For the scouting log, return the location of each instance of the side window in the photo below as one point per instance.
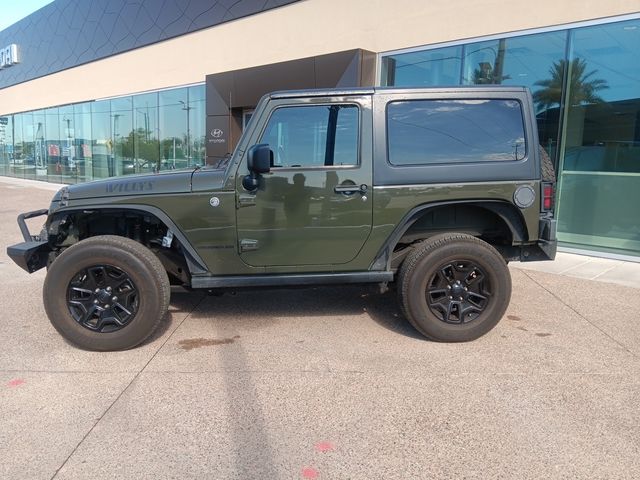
(313, 136)
(454, 131)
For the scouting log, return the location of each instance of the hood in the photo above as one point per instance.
(168, 181)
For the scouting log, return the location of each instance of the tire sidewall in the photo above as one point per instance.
(80, 256)
(491, 264)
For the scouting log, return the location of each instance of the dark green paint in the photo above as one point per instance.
(295, 218)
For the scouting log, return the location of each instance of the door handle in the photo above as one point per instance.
(350, 189)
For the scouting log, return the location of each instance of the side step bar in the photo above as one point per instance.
(235, 281)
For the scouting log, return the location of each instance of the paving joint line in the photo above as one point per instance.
(386, 372)
(317, 372)
(125, 389)
(562, 272)
(580, 315)
(71, 372)
(606, 271)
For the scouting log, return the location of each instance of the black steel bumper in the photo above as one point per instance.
(32, 254)
(546, 246)
(543, 249)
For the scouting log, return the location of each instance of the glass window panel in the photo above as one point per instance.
(68, 161)
(25, 164)
(302, 136)
(16, 158)
(196, 126)
(427, 68)
(454, 131)
(533, 61)
(146, 143)
(600, 180)
(247, 114)
(173, 114)
(101, 142)
(82, 141)
(40, 153)
(123, 136)
(346, 138)
(6, 143)
(54, 145)
(31, 129)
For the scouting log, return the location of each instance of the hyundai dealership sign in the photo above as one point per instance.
(9, 55)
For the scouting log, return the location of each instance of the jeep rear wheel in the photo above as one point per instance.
(106, 293)
(454, 287)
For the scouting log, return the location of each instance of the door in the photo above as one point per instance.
(314, 207)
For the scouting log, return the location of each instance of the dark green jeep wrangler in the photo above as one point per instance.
(432, 190)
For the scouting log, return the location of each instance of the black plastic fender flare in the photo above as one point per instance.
(506, 211)
(196, 265)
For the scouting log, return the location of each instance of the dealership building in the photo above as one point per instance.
(105, 88)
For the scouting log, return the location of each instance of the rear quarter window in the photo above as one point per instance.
(424, 132)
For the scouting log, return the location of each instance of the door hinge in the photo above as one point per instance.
(248, 244)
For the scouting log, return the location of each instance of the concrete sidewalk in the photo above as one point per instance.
(589, 268)
(325, 383)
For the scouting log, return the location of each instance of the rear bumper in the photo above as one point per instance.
(543, 249)
(32, 254)
(546, 246)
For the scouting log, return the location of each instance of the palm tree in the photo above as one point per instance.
(582, 86)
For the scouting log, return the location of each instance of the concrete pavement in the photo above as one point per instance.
(607, 270)
(323, 383)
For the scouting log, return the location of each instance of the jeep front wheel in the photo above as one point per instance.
(106, 293)
(454, 287)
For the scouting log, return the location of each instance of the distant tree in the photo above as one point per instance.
(488, 74)
(583, 88)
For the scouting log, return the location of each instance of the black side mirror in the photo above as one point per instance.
(259, 160)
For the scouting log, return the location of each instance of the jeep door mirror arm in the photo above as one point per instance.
(259, 161)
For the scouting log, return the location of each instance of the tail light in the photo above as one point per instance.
(548, 196)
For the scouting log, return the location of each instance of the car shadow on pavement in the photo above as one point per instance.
(247, 405)
(253, 308)
(383, 309)
(182, 303)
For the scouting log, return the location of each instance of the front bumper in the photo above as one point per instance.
(32, 254)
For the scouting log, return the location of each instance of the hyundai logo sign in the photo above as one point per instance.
(9, 55)
(217, 136)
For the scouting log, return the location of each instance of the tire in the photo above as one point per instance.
(427, 285)
(546, 165)
(106, 293)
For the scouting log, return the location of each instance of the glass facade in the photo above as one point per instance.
(586, 87)
(125, 135)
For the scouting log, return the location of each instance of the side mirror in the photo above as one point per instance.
(259, 160)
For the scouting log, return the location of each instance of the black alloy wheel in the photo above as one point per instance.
(454, 287)
(106, 293)
(102, 298)
(458, 292)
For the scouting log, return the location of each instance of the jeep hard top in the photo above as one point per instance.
(430, 191)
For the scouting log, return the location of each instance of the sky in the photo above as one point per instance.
(13, 10)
